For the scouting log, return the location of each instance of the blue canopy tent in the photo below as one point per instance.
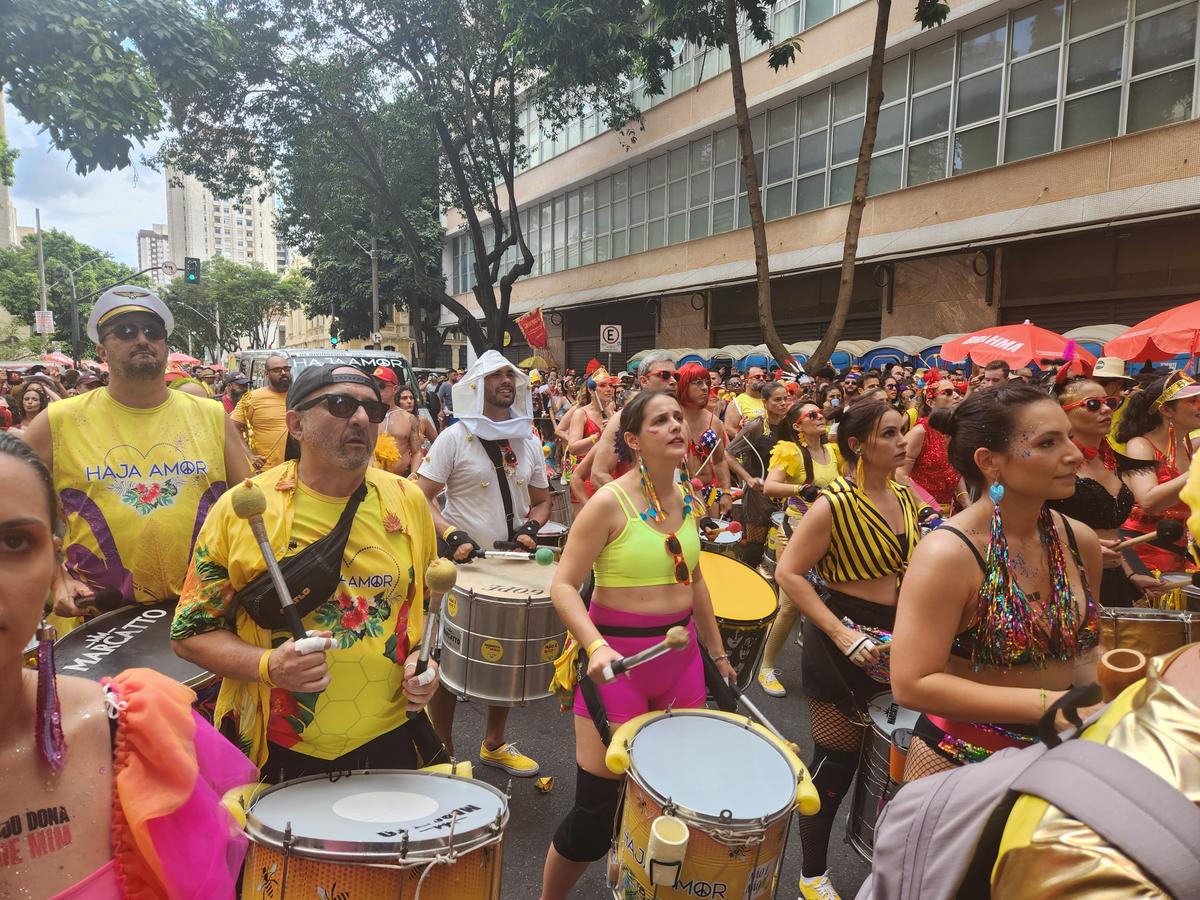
(930, 354)
(848, 353)
(889, 351)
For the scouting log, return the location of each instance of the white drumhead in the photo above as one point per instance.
(705, 764)
(777, 519)
(552, 529)
(726, 537)
(888, 715)
(516, 578)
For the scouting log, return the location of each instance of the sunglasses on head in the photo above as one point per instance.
(1093, 404)
(128, 331)
(683, 575)
(343, 406)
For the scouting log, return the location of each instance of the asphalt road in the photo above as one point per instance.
(547, 735)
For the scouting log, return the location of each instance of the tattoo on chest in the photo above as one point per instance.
(33, 834)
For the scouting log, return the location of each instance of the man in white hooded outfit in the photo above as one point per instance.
(494, 474)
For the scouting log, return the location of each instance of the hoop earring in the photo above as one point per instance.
(48, 733)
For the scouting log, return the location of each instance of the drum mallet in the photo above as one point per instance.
(440, 578)
(543, 556)
(677, 638)
(249, 503)
(1168, 530)
(711, 528)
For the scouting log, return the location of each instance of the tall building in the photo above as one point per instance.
(200, 225)
(1033, 160)
(8, 213)
(153, 252)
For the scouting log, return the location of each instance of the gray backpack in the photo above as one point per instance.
(937, 838)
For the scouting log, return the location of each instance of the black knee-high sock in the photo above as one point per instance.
(833, 773)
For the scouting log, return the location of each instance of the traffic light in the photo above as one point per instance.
(191, 269)
(334, 340)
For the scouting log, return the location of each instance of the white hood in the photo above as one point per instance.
(468, 401)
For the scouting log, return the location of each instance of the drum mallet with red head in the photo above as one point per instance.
(249, 503)
(1169, 531)
(440, 578)
(677, 638)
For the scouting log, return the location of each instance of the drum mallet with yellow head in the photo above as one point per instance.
(677, 638)
(440, 578)
(249, 503)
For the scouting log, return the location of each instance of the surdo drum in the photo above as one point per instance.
(397, 834)
(745, 605)
(872, 784)
(500, 634)
(1149, 631)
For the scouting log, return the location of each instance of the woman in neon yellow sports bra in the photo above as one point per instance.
(639, 536)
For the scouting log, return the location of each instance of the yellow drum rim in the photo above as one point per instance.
(752, 606)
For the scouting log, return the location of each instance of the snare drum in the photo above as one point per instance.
(560, 505)
(500, 634)
(745, 606)
(726, 542)
(126, 638)
(772, 553)
(376, 834)
(873, 785)
(1149, 631)
(553, 534)
(686, 764)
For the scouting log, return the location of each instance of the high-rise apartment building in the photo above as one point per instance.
(153, 252)
(1033, 160)
(8, 213)
(200, 225)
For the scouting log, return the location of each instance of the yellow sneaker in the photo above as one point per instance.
(819, 888)
(768, 680)
(510, 759)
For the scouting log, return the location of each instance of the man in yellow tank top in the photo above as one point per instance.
(259, 416)
(747, 405)
(136, 466)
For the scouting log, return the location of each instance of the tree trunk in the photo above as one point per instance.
(858, 201)
(758, 227)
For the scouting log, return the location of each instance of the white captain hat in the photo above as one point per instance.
(127, 298)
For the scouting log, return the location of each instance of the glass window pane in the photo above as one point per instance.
(779, 163)
(817, 11)
(1089, 15)
(814, 111)
(585, 226)
(602, 249)
(810, 193)
(744, 211)
(637, 179)
(895, 79)
(637, 209)
(927, 162)
(841, 185)
(658, 171)
(677, 229)
(885, 173)
(758, 164)
(1145, 6)
(846, 140)
(1029, 135)
(1095, 61)
(723, 180)
(637, 238)
(813, 151)
(779, 201)
(782, 124)
(891, 127)
(573, 203)
(679, 163)
(700, 188)
(619, 244)
(1037, 26)
(727, 143)
(656, 234)
(1160, 100)
(982, 47)
(658, 202)
(677, 196)
(850, 97)
(722, 214)
(603, 225)
(975, 149)
(979, 98)
(930, 114)
(701, 155)
(1033, 81)
(603, 191)
(620, 185)
(698, 224)
(1164, 40)
(1091, 118)
(932, 65)
(620, 215)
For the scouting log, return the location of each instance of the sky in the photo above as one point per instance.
(104, 209)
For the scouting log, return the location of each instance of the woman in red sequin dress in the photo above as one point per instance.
(927, 463)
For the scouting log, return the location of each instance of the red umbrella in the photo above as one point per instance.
(1017, 345)
(1164, 336)
(58, 358)
(183, 358)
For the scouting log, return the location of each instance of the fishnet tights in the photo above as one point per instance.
(832, 729)
(924, 760)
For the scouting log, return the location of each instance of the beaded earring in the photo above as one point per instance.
(48, 731)
(653, 506)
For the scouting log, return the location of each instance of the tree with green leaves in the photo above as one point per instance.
(929, 14)
(93, 270)
(231, 307)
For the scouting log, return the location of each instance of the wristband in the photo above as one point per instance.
(449, 531)
(1043, 701)
(456, 537)
(530, 528)
(723, 656)
(264, 670)
(595, 645)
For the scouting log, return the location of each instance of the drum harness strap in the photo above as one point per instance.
(496, 454)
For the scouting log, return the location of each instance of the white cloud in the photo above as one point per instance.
(104, 209)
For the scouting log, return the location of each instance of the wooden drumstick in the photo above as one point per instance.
(676, 639)
(440, 577)
(1170, 530)
(1119, 669)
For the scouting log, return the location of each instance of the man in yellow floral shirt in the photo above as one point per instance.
(357, 704)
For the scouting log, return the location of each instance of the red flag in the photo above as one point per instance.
(533, 326)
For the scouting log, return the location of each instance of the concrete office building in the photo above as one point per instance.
(200, 225)
(153, 251)
(1034, 160)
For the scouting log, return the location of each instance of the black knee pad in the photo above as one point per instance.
(832, 773)
(586, 833)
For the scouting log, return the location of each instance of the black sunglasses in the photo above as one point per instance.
(128, 331)
(343, 406)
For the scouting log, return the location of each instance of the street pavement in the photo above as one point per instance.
(547, 735)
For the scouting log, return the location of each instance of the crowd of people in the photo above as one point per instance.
(946, 533)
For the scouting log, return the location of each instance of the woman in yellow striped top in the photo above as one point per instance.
(858, 535)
